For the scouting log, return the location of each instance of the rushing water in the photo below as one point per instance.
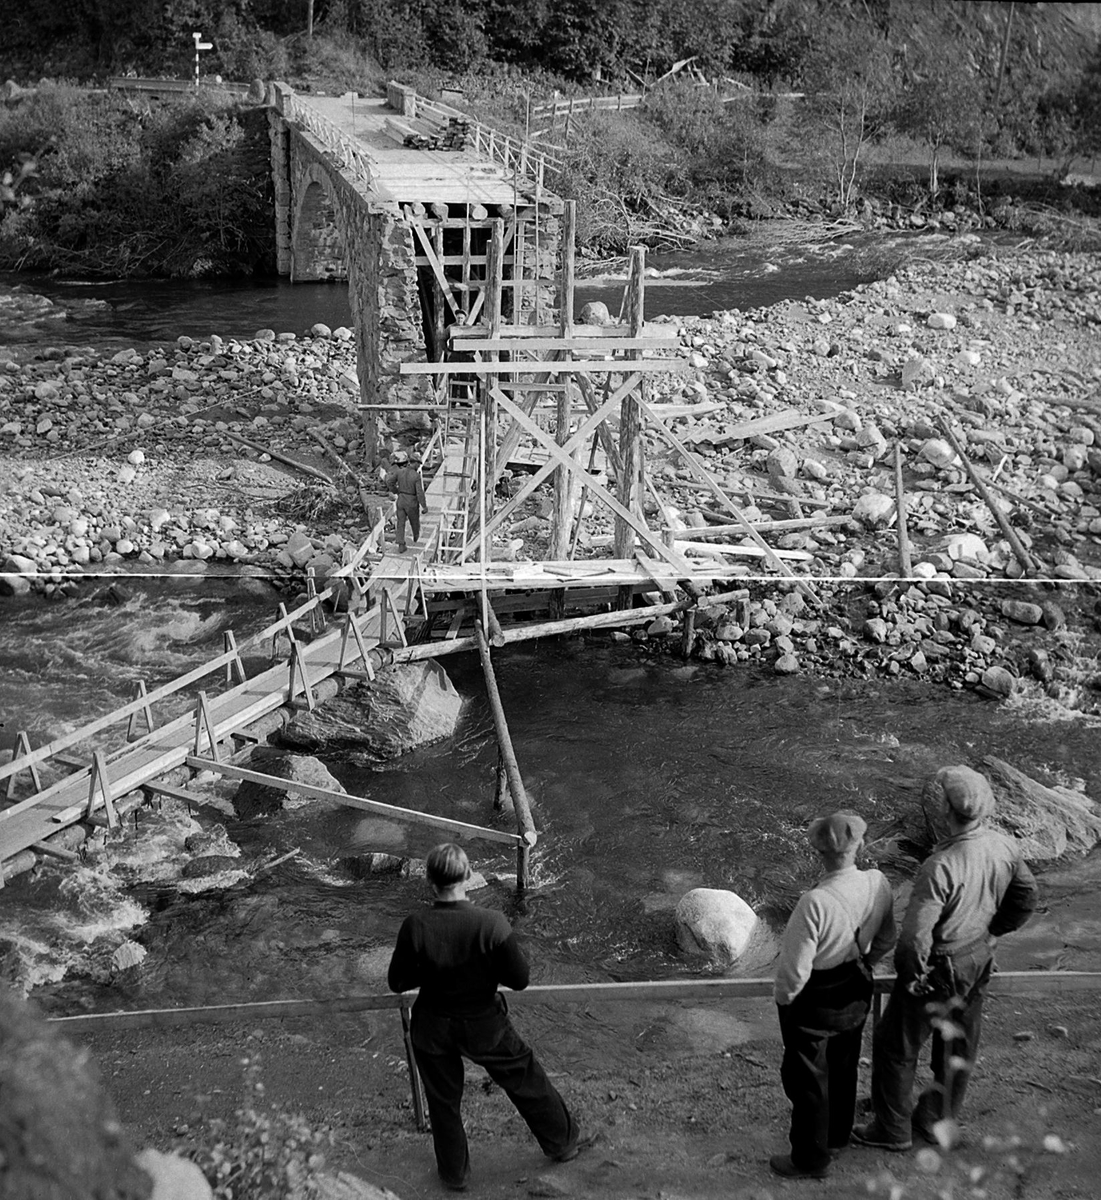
(648, 776)
(733, 273)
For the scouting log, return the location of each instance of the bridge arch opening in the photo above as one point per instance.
(317, 244)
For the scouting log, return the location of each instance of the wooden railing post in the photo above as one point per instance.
(525, 826)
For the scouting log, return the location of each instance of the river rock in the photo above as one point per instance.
(938, 452)
(875, 630)
(874, 510)
(1022, 612)
(782, 463)
(715, 923)
(966, 545)
(14, 585)
(916, 373)
(1054, 618)
(595, 312)
(174, 1178)
(259, 799)
(403, 707)
(208, 864)
(299, 548)
(129, 954)
(1051, 822)
(997, 683)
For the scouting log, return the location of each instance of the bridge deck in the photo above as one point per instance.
(408, 175)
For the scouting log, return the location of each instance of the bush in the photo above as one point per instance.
(260, 1155)
(181, 189)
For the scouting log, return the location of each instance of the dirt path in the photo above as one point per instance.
(685, 1101)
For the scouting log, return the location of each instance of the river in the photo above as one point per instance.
(648, 775)
(732, 273)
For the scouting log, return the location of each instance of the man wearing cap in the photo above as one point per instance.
(974, 887)
(838, 931)
(405, 480)
(458, 955)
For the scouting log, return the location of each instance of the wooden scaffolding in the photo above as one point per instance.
(579, 394)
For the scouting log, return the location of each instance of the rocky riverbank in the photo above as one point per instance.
(157, 461)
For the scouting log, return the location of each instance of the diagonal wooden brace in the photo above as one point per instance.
(100, 780)
(235, 667)
(559, 453)
(146, 711)
(204, 724)
(21, 748)
(298, 671)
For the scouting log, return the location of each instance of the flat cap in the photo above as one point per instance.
(967, 793)
(837, 833)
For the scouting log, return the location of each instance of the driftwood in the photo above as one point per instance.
(364, 497)
(305, 468)
(905, 566)
(1028, 565)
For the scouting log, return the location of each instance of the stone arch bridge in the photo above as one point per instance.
(399, 197)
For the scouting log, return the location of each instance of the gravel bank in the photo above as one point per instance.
(132, 462)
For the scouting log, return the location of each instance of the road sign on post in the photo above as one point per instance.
(200, 45)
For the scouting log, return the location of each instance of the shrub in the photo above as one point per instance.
(258, 1154)
(179, 189)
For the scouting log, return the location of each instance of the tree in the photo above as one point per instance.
(941, 106)
(850, 93)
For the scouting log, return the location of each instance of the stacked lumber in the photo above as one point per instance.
(453, 137)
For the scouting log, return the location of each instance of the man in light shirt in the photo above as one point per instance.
(974, 887)
(838, 931)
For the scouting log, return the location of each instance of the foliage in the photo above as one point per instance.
(260, 1155)
(725, 143)
(179, 189)
(850, 93)
(941, 106)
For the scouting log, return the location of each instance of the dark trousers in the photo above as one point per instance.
(952, 1014)
(408, 510)
(819, 1077)
(822, 1031)
(441, 1043)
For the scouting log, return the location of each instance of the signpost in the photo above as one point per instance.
(200, 45)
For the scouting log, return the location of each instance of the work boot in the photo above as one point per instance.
(874, 1136)
(781, 1164)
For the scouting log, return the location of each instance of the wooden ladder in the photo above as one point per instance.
(460, 481)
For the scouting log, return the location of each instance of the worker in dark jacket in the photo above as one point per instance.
(404, 479)
(458, 955)
(973, 888)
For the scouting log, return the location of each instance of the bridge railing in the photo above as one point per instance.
(513, 153)
(332, 137)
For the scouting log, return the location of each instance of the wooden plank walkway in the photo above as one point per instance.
(89, 790)
(68, 800)
(408, 175)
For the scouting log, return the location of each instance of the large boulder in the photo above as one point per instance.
(1050, 822)
(715, 923)
(260, 799)
(174, 1178)
(403, 707)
